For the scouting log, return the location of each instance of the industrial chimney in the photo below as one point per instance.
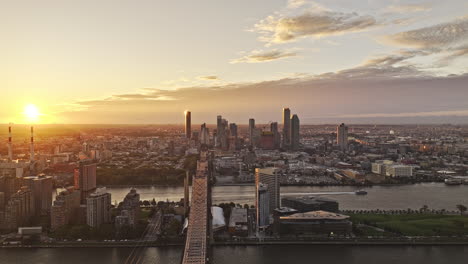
(32, 145)
(10, 147)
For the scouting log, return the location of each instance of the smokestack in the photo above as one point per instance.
(10, 147)
(32, 144)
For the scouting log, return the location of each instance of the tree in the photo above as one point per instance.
(424, 208)
(461, 208)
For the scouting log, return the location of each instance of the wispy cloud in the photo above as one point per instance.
(208, 78)
(280, 28)
(296, 3)
(257, 56)
(450, 40)
(411, 8)
(437, 36)
(356, 92)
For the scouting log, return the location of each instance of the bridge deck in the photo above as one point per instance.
(197, 234)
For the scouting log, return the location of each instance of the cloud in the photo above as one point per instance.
(382, 89)
(450, 40)
(208, 78)
(280, 28)
(296, 3)
(433, 37)
(411, 8)
(257, 56)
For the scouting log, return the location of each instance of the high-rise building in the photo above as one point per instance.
(98, 206)
(219, 121)
(186, 193)
(65, 208)
(233, 130)
(221, 133)
(342, 137)
(19, 208)
(286, 127)
(295, 128)
(130, 209)
(262, 205)
(270, 177)
(188, 124)
(251, 131)
(204, 135)
(276, 134)
(233, 139)
(9, 184)
(41, 187)
(267, 140)
(85, 178)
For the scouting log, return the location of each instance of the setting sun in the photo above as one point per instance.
(31, 112)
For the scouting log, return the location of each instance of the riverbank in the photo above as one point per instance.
(351, 242)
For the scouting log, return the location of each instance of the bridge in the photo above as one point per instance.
(199, 227)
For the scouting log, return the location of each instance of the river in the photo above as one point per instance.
(289, 254)
(414, 196)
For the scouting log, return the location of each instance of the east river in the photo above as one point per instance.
(289, 254)
(434, 195)
(414, 196)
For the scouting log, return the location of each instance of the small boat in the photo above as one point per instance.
(453, 181)
(361, 192)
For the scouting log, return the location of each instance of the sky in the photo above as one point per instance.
(146, 62)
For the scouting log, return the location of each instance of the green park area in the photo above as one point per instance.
(410, 224)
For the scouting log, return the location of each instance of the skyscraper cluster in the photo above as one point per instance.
(291, 129)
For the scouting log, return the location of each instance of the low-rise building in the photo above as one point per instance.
(310, 203)
(315, 222)
(238, 223)
(399, 171)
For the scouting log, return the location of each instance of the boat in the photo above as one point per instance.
(453, 181)
(360, 192)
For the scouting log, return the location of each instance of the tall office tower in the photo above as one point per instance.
(342, 137)
(295, 129)
(64, 211)
(186, 193)
(222, 134)
(188, 124)
(233, 140)
(219, 121)
(85, 179)
(276, 134)
(262, 205)
(270, 177)
(98, 206)
(233, 130)
(41, 187)
(286, 127)
(251, 131)
(204, 135)
(19, 208)
(10, 146)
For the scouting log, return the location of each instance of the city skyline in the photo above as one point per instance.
(331, 61)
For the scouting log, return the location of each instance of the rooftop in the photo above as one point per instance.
(315, 215)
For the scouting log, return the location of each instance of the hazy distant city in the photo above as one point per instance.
(281, 182)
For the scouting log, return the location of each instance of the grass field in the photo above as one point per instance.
(416, 224)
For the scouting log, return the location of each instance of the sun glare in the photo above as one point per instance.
(31, 112)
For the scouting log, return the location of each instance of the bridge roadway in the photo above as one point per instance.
(196, 244)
